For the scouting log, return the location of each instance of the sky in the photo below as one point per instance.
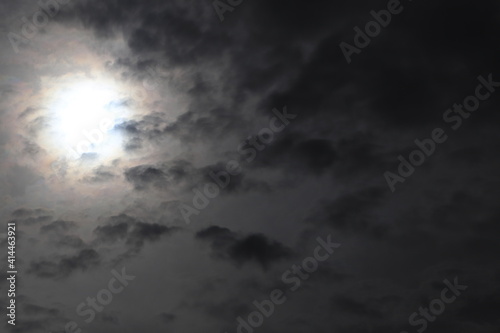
(250, 166)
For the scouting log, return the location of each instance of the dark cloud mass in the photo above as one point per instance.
(131, 233)
(240, 249)
(81, 261)
(187, 165)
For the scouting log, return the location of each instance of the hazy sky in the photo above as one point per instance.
(213, 150)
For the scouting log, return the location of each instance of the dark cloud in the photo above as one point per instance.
(100, 175)
(36, 310)
(192, 126)
(257, 248)
(31, 148)
(360, 309)
(131, 232)
(354, 212)
(32, 216)
(167, 318)
(24, 212)
(69, 241)
(142, 176)
(58, 227)
(294, 153)
(112, 233)
(28, 112)
(182, 175)
(61, 234)
(67, 265)
(196, 125)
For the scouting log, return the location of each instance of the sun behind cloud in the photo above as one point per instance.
(83, 115)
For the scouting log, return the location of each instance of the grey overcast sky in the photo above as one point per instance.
(250, 166)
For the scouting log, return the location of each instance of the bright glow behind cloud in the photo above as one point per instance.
(83, 116)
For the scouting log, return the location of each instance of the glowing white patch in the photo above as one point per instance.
(83, 117)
